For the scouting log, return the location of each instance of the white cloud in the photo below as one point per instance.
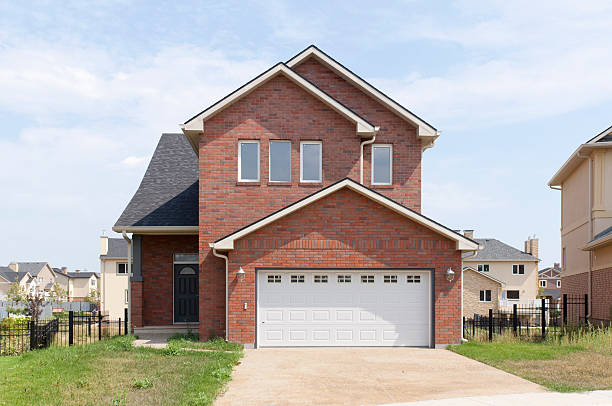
(132, 161)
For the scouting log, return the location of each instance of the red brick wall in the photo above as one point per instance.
(345, 230)
(602, 294)
(137, 300)
(158, 275)
(575, 284)
(280, 109)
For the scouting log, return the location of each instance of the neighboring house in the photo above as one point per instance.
(585, 181)
(114, 276)
(549, 282)
(40, 271)
(481, 292)
(516, 269)
(261, 223)
(81, 284)
(8, 276)
(63, 280)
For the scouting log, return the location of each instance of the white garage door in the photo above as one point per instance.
(343, 308)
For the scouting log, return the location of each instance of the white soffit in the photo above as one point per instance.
(463, 243)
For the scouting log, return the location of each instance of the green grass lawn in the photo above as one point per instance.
(191, 340)
(567, 367)
(113, 372)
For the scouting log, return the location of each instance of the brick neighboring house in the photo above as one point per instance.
(586, 223)
(288, 214)
(481, 292)
(549, 281)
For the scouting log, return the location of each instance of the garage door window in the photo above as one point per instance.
(367, 278)
(297, 278)
(344, 278)
(274, 278)
(413, 278)
(320, 278)
(390, 278)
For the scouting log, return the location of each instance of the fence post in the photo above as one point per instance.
(490, 324)
(99, 327)
(543, 321)
(125, 321)
(32, 335)
(89, 326)
(514, 317)
(564, 309)
(119, 326)
(586, 308)
(70, 327)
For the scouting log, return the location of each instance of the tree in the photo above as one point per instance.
(33, 300)
(93, 298)
(17, 293)
(57, 293)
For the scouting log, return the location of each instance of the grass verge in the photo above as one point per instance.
(113, 372)
(190, 340)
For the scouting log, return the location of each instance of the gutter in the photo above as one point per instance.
(129, 265)
(367, 142)
(216, 254)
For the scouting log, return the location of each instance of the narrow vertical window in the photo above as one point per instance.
(248, 161)
(382, 163)
(310, 161)
(280, 161)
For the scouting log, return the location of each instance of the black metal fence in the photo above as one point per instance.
(75, 329)
(536, 321)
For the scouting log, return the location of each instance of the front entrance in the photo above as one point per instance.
(186, 293)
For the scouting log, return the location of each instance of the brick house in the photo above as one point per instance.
(586, 224)
(481, 292)
(288, 214)
(549, 281)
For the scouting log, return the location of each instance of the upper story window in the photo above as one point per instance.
(559, 284)
(382, 162)
(122, 268)
(92, 282)
(518, 269)
(248, 161)
(310, 161)
(483, 267)
(542, 283)
(280, 161)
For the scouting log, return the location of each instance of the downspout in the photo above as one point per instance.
(129, 265)
(590, 230)
(367, 142)
(216, 254)
(463, 339)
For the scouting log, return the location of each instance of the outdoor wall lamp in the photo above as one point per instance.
(240, 274)
(450, 275)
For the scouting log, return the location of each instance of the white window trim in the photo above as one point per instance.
(240, 142)
(517, 269)
(270, 161)
(127, 296)
(485, 296)
(117, 269)
(483, 267)
(390, 164)
(558, 284)
(302, 143)
(519, 298)
(542, 283)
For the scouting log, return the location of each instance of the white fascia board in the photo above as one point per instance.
(196, 124)
(598, 243)
(463, 243)
(600, 135)
(573, 161)
(424, 129)
(160, 230)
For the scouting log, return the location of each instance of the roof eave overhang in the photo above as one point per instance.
(469, 268)
(194, 127)
(157, 229)
(573, 161)
(601, 242)
(462, 243)
(425, 131)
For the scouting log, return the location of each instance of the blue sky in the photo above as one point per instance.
(86, 90)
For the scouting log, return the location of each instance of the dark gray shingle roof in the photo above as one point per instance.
(82, 274)
(117, 248)
(495, 250)
(32, 267)
(168, 193)
(10, 275)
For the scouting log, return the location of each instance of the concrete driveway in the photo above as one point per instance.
(362, 376)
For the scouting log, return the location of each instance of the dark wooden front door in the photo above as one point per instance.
(185, 293)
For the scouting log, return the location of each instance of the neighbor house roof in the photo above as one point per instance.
(463, 243)
(550, 272)
(82, 274)
(600, 239)
(33, 268)
(11, 276)
(601, 140)
(426, 131)
(193, 127)
(167, 199)
(117, 248)
(483, 274)
(495, 250)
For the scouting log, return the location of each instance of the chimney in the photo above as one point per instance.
(103, 245)
(531, 246)
(14, 266)
(64, 270)
(557, 265)
(469, 234)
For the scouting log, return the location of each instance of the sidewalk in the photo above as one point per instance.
(596, 398)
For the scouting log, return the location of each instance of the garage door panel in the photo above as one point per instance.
(350, 313)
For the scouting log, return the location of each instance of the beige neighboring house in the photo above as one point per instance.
(114, 276)
(8, 277)
(481, 292)
(516, 270)
(81, 283)
(585, 182)
(41, 274)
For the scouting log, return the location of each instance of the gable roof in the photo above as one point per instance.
(550, 272)
(83, 274)
(600, 239)
(11, 276)
(463, 243)
(167, 199)
(193, 127)
(117, 248)
(483, 274)
(425, 130)
(495, 250)
(33, 268)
